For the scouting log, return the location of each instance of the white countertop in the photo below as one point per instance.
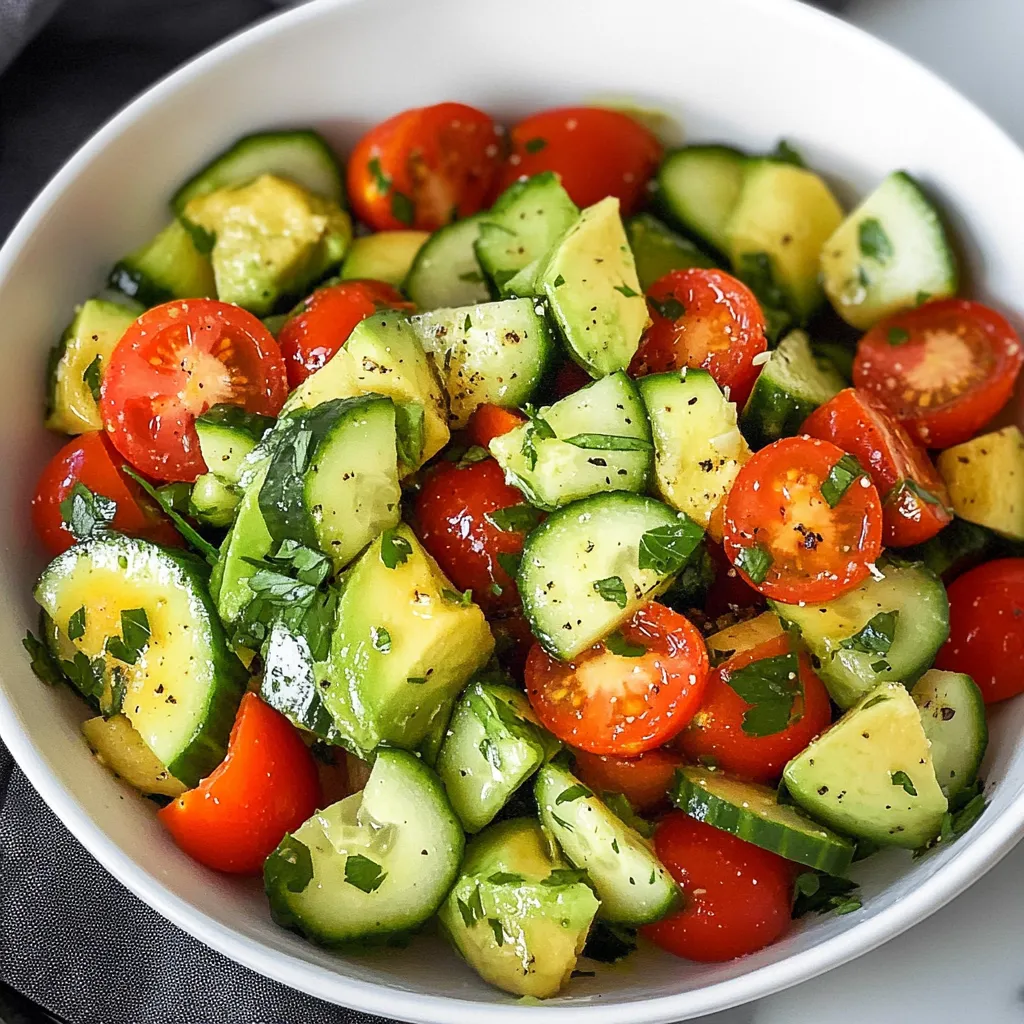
(965, 963)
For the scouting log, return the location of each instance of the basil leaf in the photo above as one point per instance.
(839, 479)
(573, 793)
(86, 513)
(666, 549)
(897, 335)
(402, 207)
(874, 242)
(896, 493)
(534, 145)
(903, 779)
(76, 625)
(193, 537)
(381, 639)
(92, 378)
(670, 308)
(394, 548)
(363, 873)
(816, 892)
(42, 661)
(380, 179)
(609, 443)
(509, 562)
(624, 289)
(619, 645)
(520, 518)
(770, 686)
(290, 866)
(755, 562)
(612, 589)
(876, 637)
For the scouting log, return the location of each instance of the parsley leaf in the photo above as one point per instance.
(609, 443)
(839, 479)
(521, 518)
(193, 537)
(608, 943)
(509, 562)
(624, 289)
(43, 663)
(402, 208)
(135, 634)
(534, 145)
(380, 179)
(86, 513)
(824, 894)
(670, 308)
(564, 876)
(463, 599)
(497, 931)
(92, 377)
(611, 588)
(394, 548)
(573, 793)
(76, 625)
(505, 878)
(86, 674)
(472, 910)
(770, 686)
(897, 335)
(290, 866)
(536, 428)
(755, 562)
(877, 635)
(784, 153)
(874, 242)
(381, 639)
(620, 646)
(666, 549)
(903, 779)
(558, 281)
(363, 873)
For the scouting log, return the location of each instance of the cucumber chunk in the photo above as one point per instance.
(446, 271)
(657, 250)
(753, 813)
(525, 221)
(790, 386)
(168, 267)
(496, 353)
(871, 774)
(590, 281)
(119, 747)
(887, 253)
(633, 885)
(887, 629)
(384, 256)
(985, 478)
(373, 866)
(953, 716)
(699, 186)
(113, 598)
(596, 439)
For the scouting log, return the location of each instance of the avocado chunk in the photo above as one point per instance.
(985, 478)
(119, 747)
(404, 645)
(272, 239)
(517, 915)
(383, 256)
(871, 774)
(589, 279)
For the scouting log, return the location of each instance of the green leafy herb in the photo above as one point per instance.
(537, 429)
(565, 825)
(468, 324)
(505, 878)
(784, 153)
(577, 792)
(381, 639)
(473, 454)
(755, 561)
(135, 634)
(416, 680)
(874, 242)
(363, 873)
(472, 909)
(670, 308)
(876, 637)
(42, 662)
(620, 646)
(509, 562)
(410, 433)
(558, 281)
(880, 666)
(824, 894)
(76, 625)
(394, 548)
(897, 335)
(497, 931)
(565, 876)
(666, 549)
(770, 685)
(85, 513)
(626, 290)
(193, 537)
(380, 179)
(290, 866)
(913, 487)
(118, 692)
(608, 943)
(86, 674)
(611, 588)
(903, 780)
(609, 443)
(534, 145)
(619, 805)
(921, 298)
(92, 377)
(464, 598)
(402, 208)
(839, 479)
(521, 518)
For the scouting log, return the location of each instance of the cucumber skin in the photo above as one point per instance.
(772, 413)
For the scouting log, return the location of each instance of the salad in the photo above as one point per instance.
(537, 532)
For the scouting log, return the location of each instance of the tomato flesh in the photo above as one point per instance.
(944, 369)
(703, 319)
(915, 502)
(606, 703)
(321, 327)
(267, 785)
(175, 362)
(424, 167)
(986, 628)
(90, 459)
(782, 534)
(716, 735)
(643, 780)
(491, 421)
(737, 897)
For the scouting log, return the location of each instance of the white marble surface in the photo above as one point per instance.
(965, 964)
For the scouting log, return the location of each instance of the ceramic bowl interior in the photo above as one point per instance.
(741, 71)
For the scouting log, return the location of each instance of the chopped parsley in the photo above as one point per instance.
(670, 308)
(770, 686)
(755, 561)
(620, 646)
(381, 639)
(521, 518)
(877, 635)
(579, 791)
(76, 625)
(86, 513)
(839, 479)
(666, 549)
(365, 874)
(92, 377)
(897, 335)
(609, 443)
(612, 589)
(535, 145)
(394, 548)
(874, 242)
(903, 780)
(624, 289)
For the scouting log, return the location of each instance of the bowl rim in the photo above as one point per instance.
(971, 861)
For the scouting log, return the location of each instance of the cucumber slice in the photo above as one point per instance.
(302, 156)
(888, 628)
(120, 748)
(446, 271)
(953, 716)
(588, 541)
(698, 448)
(890, 250)
(590, 281)
(657, 250)
(599, 418)
(384, 256)
(373, 866)
(213, 502)
(525, 221)
(227, 434)
(493, 745)
(753, 813)
(496, 353)
(791, 385)
(183, 689)
(168, 267)
(633, 885)
(699, 186)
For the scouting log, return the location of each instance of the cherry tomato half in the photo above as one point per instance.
(473, 550)
(945, 369)
(596, 152)
(311, 336)
(915, 502)
(707, 319)
(737, 896)
(90, 459)
(266, 786)
(718, 734)
(986, 628)
(607, 703)
(798, 525)
(570, 378)
(729, 592)
(643, 780)
(170, 366)
(424, 167)
(491, 421)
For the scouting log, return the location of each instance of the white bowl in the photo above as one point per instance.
(741, 71)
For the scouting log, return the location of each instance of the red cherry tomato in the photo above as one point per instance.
(452, 521)
(170, 366)
(785, 537)
(596, 153)
(915, 502)
(737, 897)
(703, 319)
(90, 459)
(266, 786)
(605, 703)
(512, 640)
(570, 378)
(730, 592)
(491, 421)
(424, 167)
(311, 336)
(986, 628)
(944, 369)
(644, 780)
(716, 734)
